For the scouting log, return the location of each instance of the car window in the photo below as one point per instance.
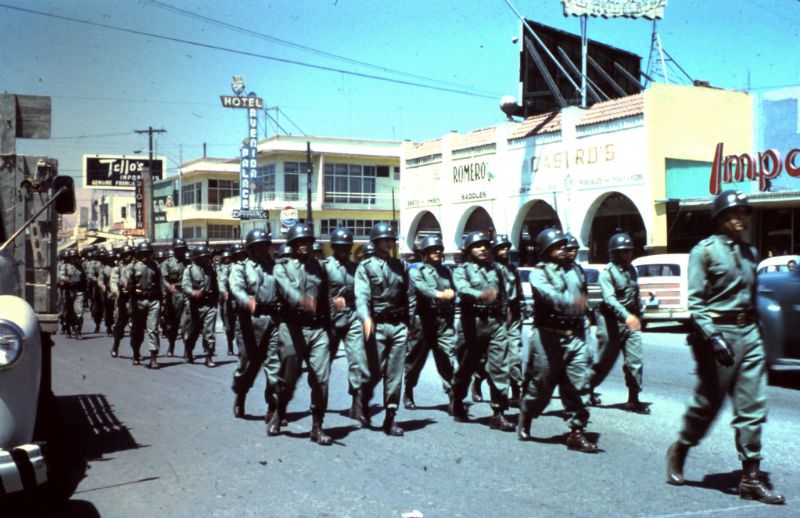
(658, 270)
(524, 275)
(591, 275)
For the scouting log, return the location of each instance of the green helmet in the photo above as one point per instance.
(547, 238)
(299, 231)
(729, 199)
(381, 230)
(342, 236)
(430, 241)
(257, 235)
(620, 241)
(500, 240)
(473, 238)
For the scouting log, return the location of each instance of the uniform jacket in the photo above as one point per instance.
(203, 278)
(297, 279)
(172, 272)
(74, 277)
(383, 287)
(428, 280)
(472, 278)
(620, 288)
(341, 283)
(556, 288)
(144, 280)
(253, 279)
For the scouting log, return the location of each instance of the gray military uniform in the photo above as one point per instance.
(174, 299)
(202, 310)
(73, 280)
(144, 285)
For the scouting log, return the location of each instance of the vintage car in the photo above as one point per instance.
(663, 286)
(778, 304)
(591, 270)
(780, 263)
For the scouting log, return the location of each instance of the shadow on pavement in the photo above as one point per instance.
(785, 378)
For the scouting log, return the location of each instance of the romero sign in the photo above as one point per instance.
(764, 166)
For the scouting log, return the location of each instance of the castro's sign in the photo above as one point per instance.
(117, 171)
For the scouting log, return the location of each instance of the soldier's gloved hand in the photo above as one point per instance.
(340, 303)
(722, 350)
(488, 295)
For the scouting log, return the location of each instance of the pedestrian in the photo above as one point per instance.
(73, 282)
(558, 355)
(175, 305)
(61, 305)
(254, 291)
(201, 288)
(620, 316)
(501, 248)
(436, 304)
(144, 285)
(727, 345)
(302, 284)
(482, 289)
(122, 297)
(385, 302)
(227, 314)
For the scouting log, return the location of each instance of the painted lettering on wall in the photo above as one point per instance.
(579, 157)
(763, 166)
(474, 172)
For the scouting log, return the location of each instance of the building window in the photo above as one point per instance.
(291, 179)
(360, 227)
(265, 184)
(192, 232)
(223, 231)
(218, 190)
(397, 172)
(192, 194)
(351, 183)
(122, 212)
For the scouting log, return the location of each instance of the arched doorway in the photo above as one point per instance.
(616, 212)
(479, 219)
(537, 216)
(426, 225)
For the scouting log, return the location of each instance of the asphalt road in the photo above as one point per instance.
(164, 443)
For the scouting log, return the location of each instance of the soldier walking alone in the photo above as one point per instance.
(727, 345)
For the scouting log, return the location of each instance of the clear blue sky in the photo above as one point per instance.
(106, 83)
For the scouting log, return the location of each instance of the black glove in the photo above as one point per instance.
(722, 350)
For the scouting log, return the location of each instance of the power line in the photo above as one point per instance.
(293, 123)
(245, 53)
(103, 135)
(279, 41)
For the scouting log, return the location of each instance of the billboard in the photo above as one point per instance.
(652, 9)
(117, 171)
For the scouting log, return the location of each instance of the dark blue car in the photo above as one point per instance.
(779, 312)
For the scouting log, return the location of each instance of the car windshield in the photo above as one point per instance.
(524, 275)
(658, 270)
(591, 275)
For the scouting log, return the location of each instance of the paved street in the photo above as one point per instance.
(164, 443)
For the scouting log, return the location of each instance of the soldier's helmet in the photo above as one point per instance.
(255, 236)
(72, 253)
(299, 231)
(126, 250)
(548, 238)
(342, 236)
(473, 238)
(284, 251)
(729, 199)
(226, 254)
(170, 253)
(201, 251)
(101, 253)
(237, 251)
(430, 241)
(144, 248)
(572, 242)
(179, 244)
(500, 240)
(620, 241)
(381, 230)
(316, 246)
(368, 250)
(161, 255)
(62, 255)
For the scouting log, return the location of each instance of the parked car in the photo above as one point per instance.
(663, 285)
(591, 270)
(778, 263)
(778, 305)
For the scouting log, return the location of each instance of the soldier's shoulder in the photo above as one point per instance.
(705, 242)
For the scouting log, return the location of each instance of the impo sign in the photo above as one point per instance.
(766, 165)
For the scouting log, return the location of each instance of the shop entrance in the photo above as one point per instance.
(616, 212)
(479, 219)
(426, 225)
(538, 216)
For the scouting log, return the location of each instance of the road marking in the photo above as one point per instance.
(706, 511)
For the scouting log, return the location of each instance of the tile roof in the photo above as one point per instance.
(474, 138)
(614, 109)
(429, 147)
(536, 125)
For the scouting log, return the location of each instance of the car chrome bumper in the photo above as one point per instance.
(666, 315)
(21, 468)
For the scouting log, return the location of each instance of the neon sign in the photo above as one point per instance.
(763, 166)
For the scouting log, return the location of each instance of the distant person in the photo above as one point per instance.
(791, 265)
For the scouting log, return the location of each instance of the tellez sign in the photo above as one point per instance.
(766, 165)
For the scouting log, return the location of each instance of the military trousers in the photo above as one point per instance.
(260, 349)
(556, 360)
(438, 334)
(229, 320)
(386, 351)
(616, 338)
(745, 382)
(108, 311)
(145, 318)
(121, 316)
(96, 304)
(74, 307)
(309, 345)
(514, 332)
(175, 320)
(347, 329)
(484, 337)
(202, 321)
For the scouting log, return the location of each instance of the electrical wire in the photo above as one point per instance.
(293, 123)
(245, 53)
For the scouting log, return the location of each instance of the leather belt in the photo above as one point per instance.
(740, 318)
(562, 332)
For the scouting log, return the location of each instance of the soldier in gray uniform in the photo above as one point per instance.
(122, 300)
(239, 256)
(174, 299)
(558, 355)
(385, 302)
(104, 288)
(60, 303)
(345, 325)
(620, 315)
(255, 293)
(93, 268)
(501, 247)
(144, 286)
(73, 283)
(303, 286)
(225, 301)
(201, 289)
(436, 305)
(482, 289)
(727, 345)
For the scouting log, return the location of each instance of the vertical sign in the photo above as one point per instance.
(248, 166)
(139, 189)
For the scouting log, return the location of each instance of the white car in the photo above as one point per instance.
(779, 263)
(664, 287)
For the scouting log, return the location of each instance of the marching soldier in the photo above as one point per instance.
(727, 345)
(436, 304)
(385, 301)
(122, 300)
(73, 283)
(174, 299)
(144, 286)
(558, 355)
(239, 256)
(482, 289)
(501, 247)
(201, 288)
(345, 325)
(620, 314)
(225, 300)
(303, 286)
(104, 288)
(93, 268)
(255, 293)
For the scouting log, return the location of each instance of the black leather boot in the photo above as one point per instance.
(634, 405)
(137, 360)
(408, 399)
(458, 411)
(499, 422)
(751, 487)
(516, 391)
(188, 355)
(676, 458)
(366, 421)
(477, 396)
(524, 427)
(318, 435)
(153, 361)
(577, 441)
(210, 361)
(357, 410)
(594, 398)
(115, 350)
(274, 423)
(238, 406)
(389, 425)
(171, 350)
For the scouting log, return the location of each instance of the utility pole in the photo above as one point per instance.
(147, 184)
(309, 174)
